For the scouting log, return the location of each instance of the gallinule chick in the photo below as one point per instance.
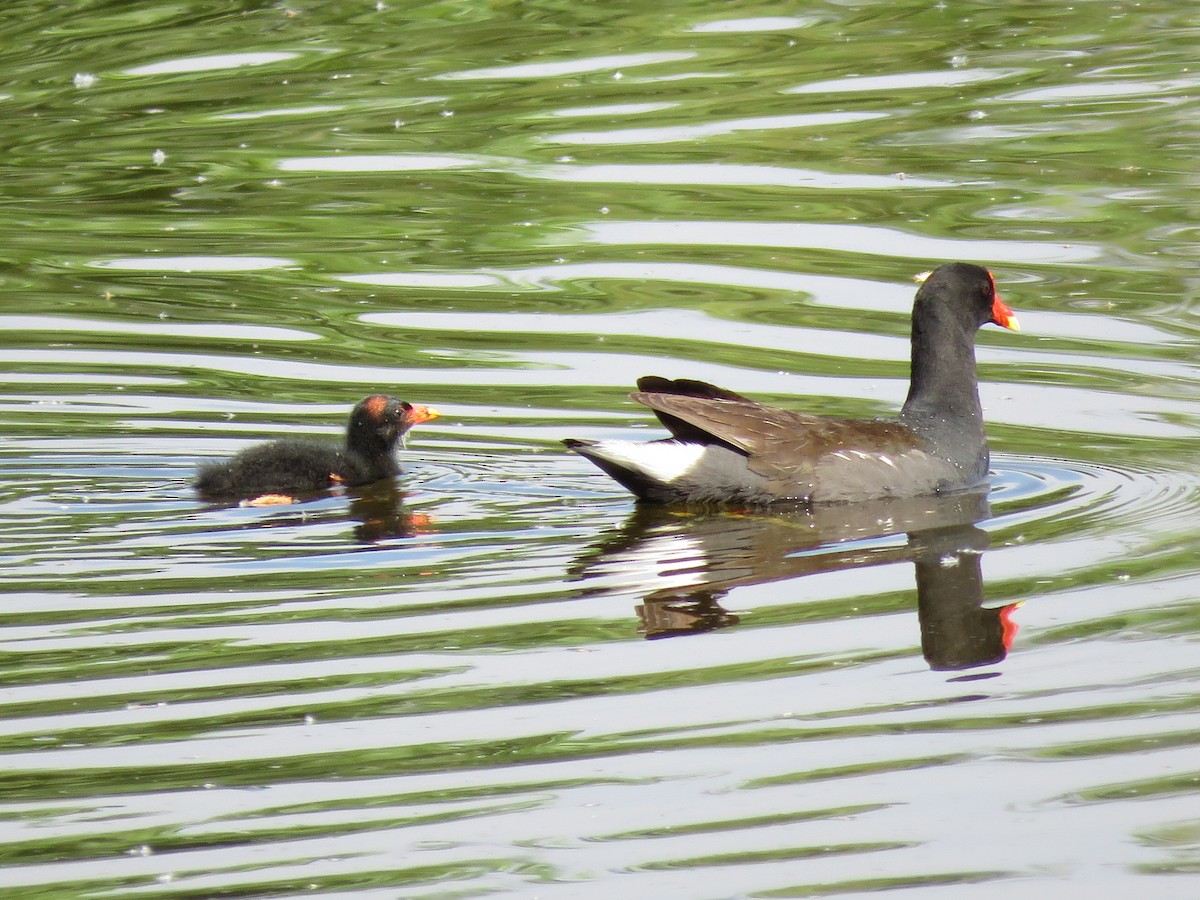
(726, 448)
(280, 471)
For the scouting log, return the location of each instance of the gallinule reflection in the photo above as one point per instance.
(681, 564)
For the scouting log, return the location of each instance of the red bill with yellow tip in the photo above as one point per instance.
(1003, 316)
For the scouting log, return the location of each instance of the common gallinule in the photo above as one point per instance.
(726, 448)
(282, 471)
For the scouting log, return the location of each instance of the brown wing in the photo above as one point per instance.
(687, 387)
(787, 447)
(657, 393)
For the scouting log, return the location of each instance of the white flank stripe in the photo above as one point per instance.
(662, 462)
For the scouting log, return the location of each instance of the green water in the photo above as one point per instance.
(222, 222)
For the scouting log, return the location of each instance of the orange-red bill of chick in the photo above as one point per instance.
(419, 414)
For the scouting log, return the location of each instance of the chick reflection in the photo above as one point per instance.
(380, 512)
(685, 562)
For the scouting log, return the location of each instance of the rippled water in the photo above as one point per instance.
(227, 221)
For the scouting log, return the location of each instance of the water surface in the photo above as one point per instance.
(496, 675)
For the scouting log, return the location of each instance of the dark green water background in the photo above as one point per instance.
(224, 221)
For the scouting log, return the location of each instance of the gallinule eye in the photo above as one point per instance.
(280, 471)
(726, 448)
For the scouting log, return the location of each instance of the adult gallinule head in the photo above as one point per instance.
(282, 471)
(726, 448)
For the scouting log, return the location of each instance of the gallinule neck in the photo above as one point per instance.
(726, 448)
(282, 471)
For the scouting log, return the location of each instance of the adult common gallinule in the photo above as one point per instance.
(280, 471)
(728, 448)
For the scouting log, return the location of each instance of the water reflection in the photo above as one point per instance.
(957, 630)
(683, 563)
(379, 513)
